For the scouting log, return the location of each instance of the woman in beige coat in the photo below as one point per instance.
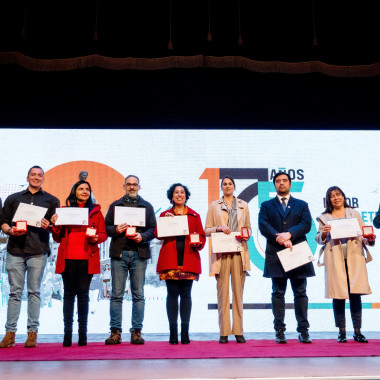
(229, 214)
(345, 264)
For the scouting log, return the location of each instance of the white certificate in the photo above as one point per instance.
(72, 216)
(133, 216)
(30, 213)
(172, 226)
(344, 228)
(299, 255)
(223, 243)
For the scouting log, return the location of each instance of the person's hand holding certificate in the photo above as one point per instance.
(71, 216)
(172, 226)
(33, 215)
(344, 228)
(132, 216)
(299, 254)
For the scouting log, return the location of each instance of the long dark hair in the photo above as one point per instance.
(72, 200)
(329, 206)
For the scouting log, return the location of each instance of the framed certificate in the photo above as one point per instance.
(223, 243)
(172, 226)
(298, 256)
(133, 216)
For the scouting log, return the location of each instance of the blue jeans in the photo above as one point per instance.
(16, 267)
(130, 261)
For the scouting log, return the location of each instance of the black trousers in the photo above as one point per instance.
(300, 302)
(76, 283)
(339, 307)
(182, 289)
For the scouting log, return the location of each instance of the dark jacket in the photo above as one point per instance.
(376, 220)
(147, 232)
(272, 220)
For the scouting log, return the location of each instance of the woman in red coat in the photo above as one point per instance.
(78, 259)
(179, 263)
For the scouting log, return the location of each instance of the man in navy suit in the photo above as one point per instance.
(285, 221)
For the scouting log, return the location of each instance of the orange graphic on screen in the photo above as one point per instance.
(213, 176)
(106, 183)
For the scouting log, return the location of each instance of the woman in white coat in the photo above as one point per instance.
(345, 264)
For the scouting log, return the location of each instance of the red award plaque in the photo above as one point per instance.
(245, 232)
(91, 232)
(130, 231)
(367, 231)
(21, 226)
(195, 239)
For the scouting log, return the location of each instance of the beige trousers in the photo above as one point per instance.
(231, 265)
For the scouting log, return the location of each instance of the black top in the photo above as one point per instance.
(36, 240)
(180, 240)
(147, 232)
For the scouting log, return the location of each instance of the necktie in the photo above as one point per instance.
(283, 203)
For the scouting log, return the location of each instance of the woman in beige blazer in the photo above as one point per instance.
(229, 214)
(345, 264)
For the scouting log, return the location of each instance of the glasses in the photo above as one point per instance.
(131, 184)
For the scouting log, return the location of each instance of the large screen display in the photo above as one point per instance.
(315, 160)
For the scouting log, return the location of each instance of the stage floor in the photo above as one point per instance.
(251, 368)
(272, 368)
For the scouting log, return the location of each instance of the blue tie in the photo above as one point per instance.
(283, 204)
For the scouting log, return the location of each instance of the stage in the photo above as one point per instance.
(259, 366)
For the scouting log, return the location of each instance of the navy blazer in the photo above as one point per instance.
(296, 219)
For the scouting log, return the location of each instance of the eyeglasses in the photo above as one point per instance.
(131, 184)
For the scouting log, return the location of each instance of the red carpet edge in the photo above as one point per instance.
(194, 350)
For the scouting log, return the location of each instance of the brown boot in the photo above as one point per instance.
(32, 339)
(9, 340)
(136, 337)
(114, 338)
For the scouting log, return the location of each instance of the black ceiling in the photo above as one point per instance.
(341, 35)
(346, 32)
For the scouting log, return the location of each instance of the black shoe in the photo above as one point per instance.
(82, 341)
(360, 338)
(173, 338)
(240, 338)
(223, 339)
(280, 336)
(185, 337)
(67, 340)
(342, 338)
(304, 337)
